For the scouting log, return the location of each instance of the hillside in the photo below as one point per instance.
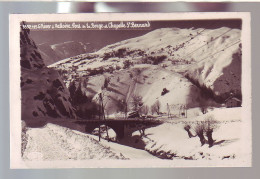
(147, 82)
(52, 53)
(44, 94)
(187, 62)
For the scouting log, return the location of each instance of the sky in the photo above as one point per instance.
(101, 38)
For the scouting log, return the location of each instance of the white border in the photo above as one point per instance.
(15, 94)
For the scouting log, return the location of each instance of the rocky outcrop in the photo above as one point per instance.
(44, 95)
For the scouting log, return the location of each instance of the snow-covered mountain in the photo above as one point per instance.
(52, 53)
(184, 63)
(44, 94)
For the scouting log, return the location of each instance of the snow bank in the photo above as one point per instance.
(128, 152)
(53, 142)
(171, 141)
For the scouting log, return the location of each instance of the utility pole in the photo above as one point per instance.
(180, 110)
(169, 111)
(99, 118)
(103, 112)
(186, 111)
(183, 111)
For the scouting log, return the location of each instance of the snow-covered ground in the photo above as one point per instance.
(170, 140)
(128, 152)
(167, 141)
(54, 142)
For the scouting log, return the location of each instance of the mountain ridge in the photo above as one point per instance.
(202, 55)
(52, 53)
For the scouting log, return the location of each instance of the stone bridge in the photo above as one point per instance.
(121, 127)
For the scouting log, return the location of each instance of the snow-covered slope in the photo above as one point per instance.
(43, 91)
(178, 45)
(220, 72)
(146, 81)
(208, 58)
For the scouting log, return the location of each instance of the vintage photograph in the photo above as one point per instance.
(130, 90)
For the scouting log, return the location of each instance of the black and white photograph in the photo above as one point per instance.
(130, 90)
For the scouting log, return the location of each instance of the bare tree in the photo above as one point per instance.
(137, 102)
(106, 83)
(199, 129)
(203, 109)
(210, 125)
(206, 127)
(144, 110)
(123, 106)
(127, 64)
(187, 128)
(156, 107)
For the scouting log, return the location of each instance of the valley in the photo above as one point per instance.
(188, 79)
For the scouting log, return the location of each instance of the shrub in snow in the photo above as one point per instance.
(137, 102)
(106, 83)
(155, 60)
(164, 91)
(121, 52)
(159, 59)
(164, 65)
(187, 128)
(210, 125)
(127, 64)
(199, 129)
(203, 109)
(107, 56)
(206, 127)
(131, 75)
(95, 71)
(145, 60)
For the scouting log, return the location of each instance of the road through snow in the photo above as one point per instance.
(54, 142)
